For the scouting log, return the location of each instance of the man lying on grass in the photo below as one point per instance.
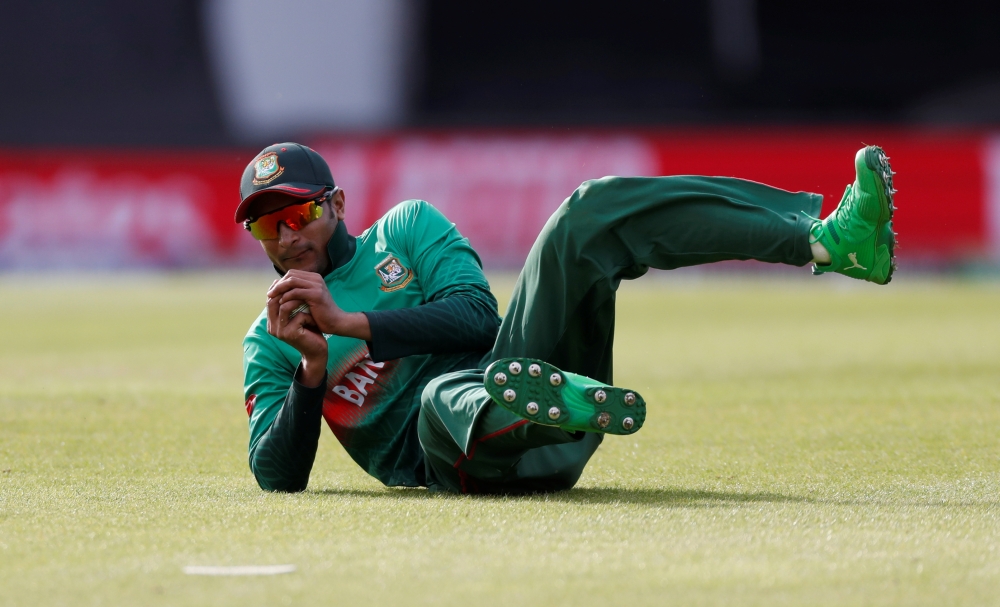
(393, 336)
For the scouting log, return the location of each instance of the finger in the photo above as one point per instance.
(299, 328)
(309, 296)
(290, 326)
(285, 311)
(309, 323)
(301, 274)
(272, 315)
(288, 283)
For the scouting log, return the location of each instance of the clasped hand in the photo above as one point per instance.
(305, 330)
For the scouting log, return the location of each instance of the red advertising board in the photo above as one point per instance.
(173, 208)
(114, 208)
(940, 177)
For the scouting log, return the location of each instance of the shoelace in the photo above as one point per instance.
(846, 208)
(816, 230)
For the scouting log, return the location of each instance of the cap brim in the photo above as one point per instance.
(294, 191)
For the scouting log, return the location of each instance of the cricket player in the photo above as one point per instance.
(393, 337)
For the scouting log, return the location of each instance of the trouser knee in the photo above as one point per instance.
(430, 427)
(591, 196)
(449, 405)
(596, 204)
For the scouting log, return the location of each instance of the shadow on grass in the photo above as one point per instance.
(672, 497)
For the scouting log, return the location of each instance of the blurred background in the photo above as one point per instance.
(125, 126)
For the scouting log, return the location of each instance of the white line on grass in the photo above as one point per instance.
(240, 570)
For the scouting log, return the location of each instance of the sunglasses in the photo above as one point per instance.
(295, 216)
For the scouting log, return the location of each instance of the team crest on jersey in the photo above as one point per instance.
(393, 274)
(266, 169)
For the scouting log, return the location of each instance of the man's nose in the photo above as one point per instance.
(286, 235)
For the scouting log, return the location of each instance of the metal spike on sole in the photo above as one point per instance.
(604, 419)
(882, 168)
(572, 402)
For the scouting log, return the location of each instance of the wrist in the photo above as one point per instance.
(354, 324)
(347, 324)
(312, 371)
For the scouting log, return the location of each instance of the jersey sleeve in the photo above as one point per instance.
(460, 313)
(285, 417)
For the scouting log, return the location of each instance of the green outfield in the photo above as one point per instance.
(810, 441)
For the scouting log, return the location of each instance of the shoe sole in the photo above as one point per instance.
(544, 394)
(878, 163)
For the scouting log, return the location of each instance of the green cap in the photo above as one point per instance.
(290, 170)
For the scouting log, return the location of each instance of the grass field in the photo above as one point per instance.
(809, 442)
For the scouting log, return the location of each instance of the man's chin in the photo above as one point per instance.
(305, 262)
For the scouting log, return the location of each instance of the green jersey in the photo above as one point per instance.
(409, 260)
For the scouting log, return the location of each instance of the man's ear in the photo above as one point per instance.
(338, 204)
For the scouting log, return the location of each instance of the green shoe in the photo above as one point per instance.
(858, 233)
(539, 392)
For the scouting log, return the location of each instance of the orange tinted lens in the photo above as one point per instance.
(295, 217)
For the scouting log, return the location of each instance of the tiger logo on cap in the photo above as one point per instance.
(266, 169)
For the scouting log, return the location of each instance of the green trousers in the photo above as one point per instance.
(563, 311)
